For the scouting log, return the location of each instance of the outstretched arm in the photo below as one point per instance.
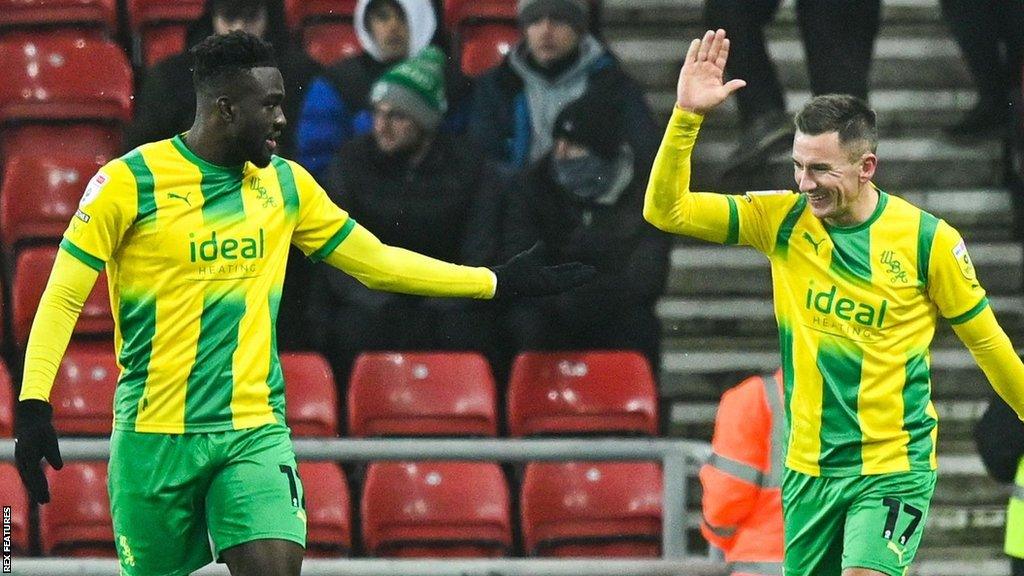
(669, 204)
(996, 357)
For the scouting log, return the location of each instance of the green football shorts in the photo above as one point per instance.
(872, 522)
(170, 495)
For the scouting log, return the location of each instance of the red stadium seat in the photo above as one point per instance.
(592, 509)
(13, 494)
(160, 26)
(40, 195)
(35, 13)
(97, 141)
(6, 402)
(328, 510)
(329, 42)
(32, 269)
(436, 510)
(458, 12)
(484, 45)
(83, 392)
(582, 393)
(301, 13)
(63, 75)
(422, 393)
(77, 522)
(311, 399)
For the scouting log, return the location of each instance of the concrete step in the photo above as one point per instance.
(899, 110)
(669, 13)
(709, 269)
(703, 373)
(918, 62)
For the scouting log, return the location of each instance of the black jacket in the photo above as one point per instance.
(1000, 439)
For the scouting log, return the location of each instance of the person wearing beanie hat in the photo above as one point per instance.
(584, 199)
(576, 13)
(337, 107)
(557, 60)
(415, 88)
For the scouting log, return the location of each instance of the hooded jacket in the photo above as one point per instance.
(337, 107)
(515, 106)
(166, 103)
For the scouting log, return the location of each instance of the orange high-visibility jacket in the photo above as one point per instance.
(743, 479)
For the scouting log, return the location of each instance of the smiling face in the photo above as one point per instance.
(259, 119)
(836, 179)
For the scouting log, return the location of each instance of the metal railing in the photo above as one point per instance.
(676, 457)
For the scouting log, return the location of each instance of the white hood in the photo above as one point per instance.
(419, 15)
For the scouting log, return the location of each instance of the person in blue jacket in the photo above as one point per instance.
(337, 106)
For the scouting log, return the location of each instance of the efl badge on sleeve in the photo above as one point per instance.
(963, 260)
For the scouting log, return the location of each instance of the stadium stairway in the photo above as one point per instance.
(717, 313)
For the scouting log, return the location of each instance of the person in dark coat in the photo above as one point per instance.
(516, 103)
(420, 189)
(338, 107)
(584, 200)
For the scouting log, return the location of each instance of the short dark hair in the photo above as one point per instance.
(846, 115)
(374, 7)
(224, 57)
(238, 9)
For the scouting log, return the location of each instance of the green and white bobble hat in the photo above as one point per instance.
(416, 87)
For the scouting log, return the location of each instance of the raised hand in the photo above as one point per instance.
(701, 86)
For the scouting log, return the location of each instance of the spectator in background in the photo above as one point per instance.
(991, 35)
(584, 200)
(420, 189)
(338, 107)
(742, 481)
(166, 103)
(1000, 439)
(516, 103)
(839, 39)
(166, 106)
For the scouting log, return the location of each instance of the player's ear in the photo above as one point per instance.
(868, 164)
(225, 109)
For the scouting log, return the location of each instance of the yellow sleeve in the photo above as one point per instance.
(392, 269)
(107, 210)
(952, 282)
(66, 291)
(321, 225)
(752, 219)
(994, 353)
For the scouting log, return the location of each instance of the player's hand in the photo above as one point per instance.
(527, 274)
(35, 439)
(701, 86)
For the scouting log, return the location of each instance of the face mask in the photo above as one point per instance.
(588, 177)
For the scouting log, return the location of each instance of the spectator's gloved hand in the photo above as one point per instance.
(527, 274)
(35, 439)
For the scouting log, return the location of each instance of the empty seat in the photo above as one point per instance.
(435, 509)
(592, 509)
(64, 75)
(302, 13)
(422, 393)
(101, 14)
(13, 494)
(310, 396)
(83, 391)
(482, 46)
(460, 12)
(94, 140)
(77, 522)
(31, 271)
(582, 393)
(40, 195)
(329, 42)
(6, 402)
(328, 510)
(159, 27)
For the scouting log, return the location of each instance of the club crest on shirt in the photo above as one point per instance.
(92, 190)
(963, 260)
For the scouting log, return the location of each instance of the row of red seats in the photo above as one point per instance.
(404, 394)
(485, 28)
(408, 509)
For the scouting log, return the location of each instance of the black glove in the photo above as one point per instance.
(527, 274)
(35, 439)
